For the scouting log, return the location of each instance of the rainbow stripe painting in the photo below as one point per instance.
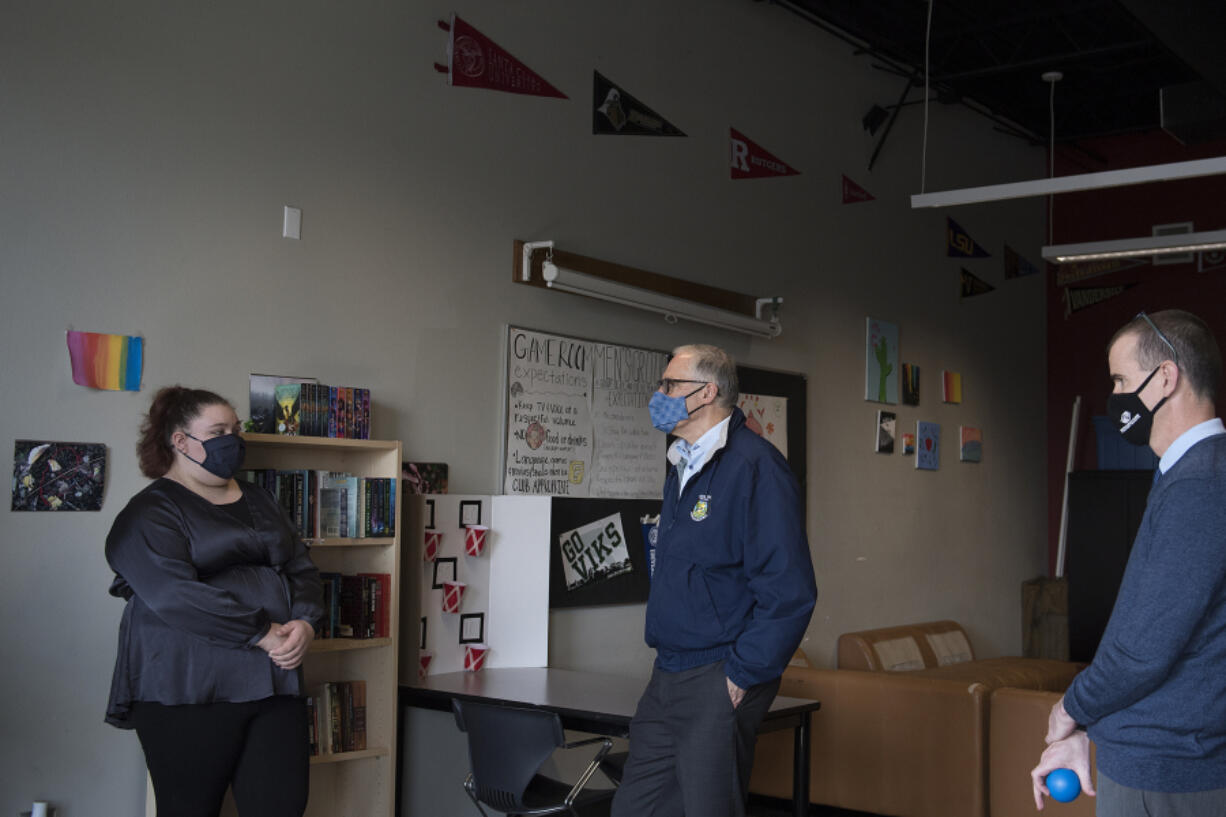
(106, 361)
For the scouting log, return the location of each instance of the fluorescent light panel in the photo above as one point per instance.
(580, 283)
(1136, 247)
(1069, 184)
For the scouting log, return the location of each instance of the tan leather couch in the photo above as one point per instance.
(908, 743)
(1019, 722)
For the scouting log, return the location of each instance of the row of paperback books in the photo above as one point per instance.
(336, 717)
(319, 410)
(331, 504)
(356, 606)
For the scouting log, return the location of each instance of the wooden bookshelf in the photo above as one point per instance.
(364, 782)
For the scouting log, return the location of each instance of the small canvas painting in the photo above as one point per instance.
(424, 477)
(910, 384)
(971, 440)
(951, 387)
(54, 476)
(928, 437)
(881, 362)
(767, 416)
(908, 444)
(884, 438)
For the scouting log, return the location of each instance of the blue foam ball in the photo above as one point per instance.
(1063, 785)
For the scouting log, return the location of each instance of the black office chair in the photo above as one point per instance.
(507, 746)
(614, 766)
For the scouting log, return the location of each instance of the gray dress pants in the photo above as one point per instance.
(690, 751)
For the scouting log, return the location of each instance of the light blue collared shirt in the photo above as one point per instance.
(1188, 439)
(689, 459)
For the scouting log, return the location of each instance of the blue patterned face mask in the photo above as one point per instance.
(667, 411)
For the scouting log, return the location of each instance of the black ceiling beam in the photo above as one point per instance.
(1049, 61)
(1010, 22)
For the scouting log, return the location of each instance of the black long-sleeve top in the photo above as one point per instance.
(202, 585)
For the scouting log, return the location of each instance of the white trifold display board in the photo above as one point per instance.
(505, 603)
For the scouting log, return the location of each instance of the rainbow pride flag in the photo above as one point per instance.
(106, 361)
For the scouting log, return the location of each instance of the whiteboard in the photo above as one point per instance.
(577, 419)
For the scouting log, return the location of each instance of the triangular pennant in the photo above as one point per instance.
(1069, 273)
(973, 285)
(616, 112)
(1016, 266)
(1079, 298)
(1210, 260)
(751, 161)
(959, 243)
(853, 192)
(476, 61)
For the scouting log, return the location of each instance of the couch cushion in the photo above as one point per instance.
(950, 647)
(898, 654)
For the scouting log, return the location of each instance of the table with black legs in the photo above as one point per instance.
(597, 703)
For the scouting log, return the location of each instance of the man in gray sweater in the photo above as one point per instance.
(1154, 698)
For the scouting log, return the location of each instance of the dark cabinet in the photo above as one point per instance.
(1104, 513)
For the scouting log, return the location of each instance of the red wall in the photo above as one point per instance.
(1076, 343)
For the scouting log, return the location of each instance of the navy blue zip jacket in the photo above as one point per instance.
(733, 578)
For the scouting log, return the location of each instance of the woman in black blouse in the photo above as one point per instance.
(222, 603)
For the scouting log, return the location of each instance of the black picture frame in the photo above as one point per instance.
(448, 562)
(429, 515)
(422, 641)
(466, 622)
(466, 505)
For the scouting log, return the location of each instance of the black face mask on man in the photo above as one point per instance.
(223, 455)
(1133, 419)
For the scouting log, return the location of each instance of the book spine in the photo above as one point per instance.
(317, 412)
(304, 427)
(358, 696)
(352, 503)
(366, 495)
(365, 414)
(338, 743)
(332, 411)
(346, 689)
(391, 506)
(324, 716)
(298, 490)
(372, 603)
(376, 510)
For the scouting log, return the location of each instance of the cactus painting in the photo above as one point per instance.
(881, 362)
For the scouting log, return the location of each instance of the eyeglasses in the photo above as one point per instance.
(1161, 337)
(666, 383)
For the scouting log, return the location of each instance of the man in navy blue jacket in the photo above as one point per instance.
(731, 597)
(1154, 698)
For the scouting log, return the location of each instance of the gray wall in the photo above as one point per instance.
(146, 150)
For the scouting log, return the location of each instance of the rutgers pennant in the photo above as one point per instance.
(476, 61)
(751, 161)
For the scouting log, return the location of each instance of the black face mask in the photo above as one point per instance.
(1133, 419)
(223, 455)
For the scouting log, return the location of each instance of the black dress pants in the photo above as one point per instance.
(690, 751)
(196, 751)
